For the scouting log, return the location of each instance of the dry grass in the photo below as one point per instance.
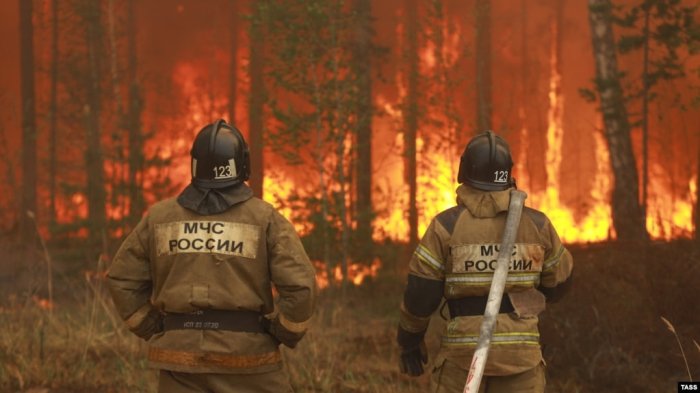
(606, 336)
(79, 347)
(351, 345)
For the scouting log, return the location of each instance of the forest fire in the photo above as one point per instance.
(123, 211)
(357, 273)
(668, 216)
(185, 87)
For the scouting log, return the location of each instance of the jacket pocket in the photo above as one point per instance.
(528, 303)
(199, 297)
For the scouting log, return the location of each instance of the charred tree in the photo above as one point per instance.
(94, 161)
(483, 65)
(697, 199)
(555, 130)
(411, 119)
(439, 84)
(256, 101)
(28, 199)
(310, 61)
(133, 123)
(346, 101)
(363, 172)
(664, 31)
(116, 150)
(233, 68)
(524, 164)
(626, 211)
(645, 115)
(53, 109)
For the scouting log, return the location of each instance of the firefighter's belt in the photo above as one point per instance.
(476, 305)
(237, 321)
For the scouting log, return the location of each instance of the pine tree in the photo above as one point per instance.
(363, 174)
(310, 64)
(28, 200)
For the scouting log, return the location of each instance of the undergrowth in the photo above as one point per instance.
(606, 335)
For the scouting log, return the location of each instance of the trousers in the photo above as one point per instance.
(177, 382)
(450, 378)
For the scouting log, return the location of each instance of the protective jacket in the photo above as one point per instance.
(177, 262)
(456, 259)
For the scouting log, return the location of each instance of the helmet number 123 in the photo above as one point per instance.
(501, 176)
(222, 172)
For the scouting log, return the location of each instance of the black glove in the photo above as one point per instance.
(151, 324)
(280, 334)
(413, 352)
(554, 294)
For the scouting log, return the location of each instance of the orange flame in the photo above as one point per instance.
(669, 216)
(277, 190)
(44, 304)
(595, 225)
(357, 273)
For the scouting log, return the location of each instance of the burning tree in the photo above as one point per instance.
(316, 96)
(95, 164)
(626, 211)
(256, 98)
(410, 118)
(362, 68)
(665, 31)
(29, 172)
(666, 34)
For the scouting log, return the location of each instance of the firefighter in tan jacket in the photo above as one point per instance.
(456, 259)
(195, 278)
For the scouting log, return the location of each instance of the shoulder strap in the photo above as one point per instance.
(449, 217)
(536, 216)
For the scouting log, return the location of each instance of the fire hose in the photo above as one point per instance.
(476, 370)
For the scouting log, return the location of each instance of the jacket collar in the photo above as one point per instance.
(206, 201)
(483, 204)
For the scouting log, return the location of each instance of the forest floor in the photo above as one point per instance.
(607, 335)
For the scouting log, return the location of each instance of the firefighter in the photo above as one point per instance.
(456, 259)
(195, 278)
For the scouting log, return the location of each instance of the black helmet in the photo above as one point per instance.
(220, 156)
(486, 163)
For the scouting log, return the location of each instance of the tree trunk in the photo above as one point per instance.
(53, 109)
(135, 110)
(342, 207)
(233, 69)
(483, 65)
(256, 103)
(411, 120)
(319, 154)
(118, 175)
(363, 68)
(697, 199)
(524, 164)
(626, 211)
(28, 202)
(339, 127)
(645, 115)
(93, 156)
(555, 129)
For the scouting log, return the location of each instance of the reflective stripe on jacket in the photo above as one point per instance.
(460, 248)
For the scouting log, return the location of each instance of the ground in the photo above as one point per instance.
(607, 335)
